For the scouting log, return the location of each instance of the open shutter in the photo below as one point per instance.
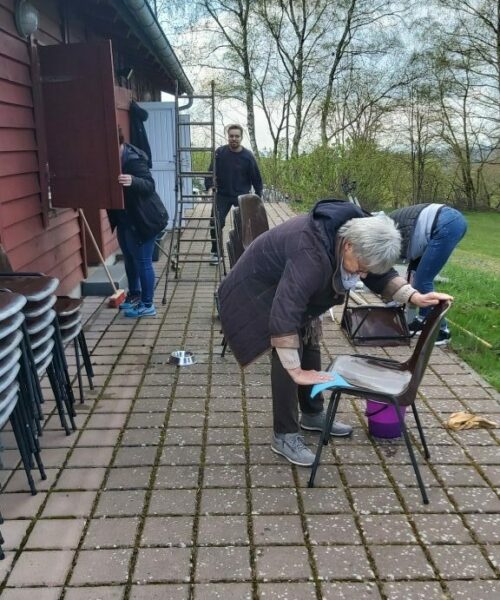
(81, 125)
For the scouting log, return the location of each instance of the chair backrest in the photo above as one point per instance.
(253, 218)
(419, 360)
(234, 248)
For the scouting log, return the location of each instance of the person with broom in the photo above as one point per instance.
(137, 227)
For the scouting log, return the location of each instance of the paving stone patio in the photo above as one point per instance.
(169, 490)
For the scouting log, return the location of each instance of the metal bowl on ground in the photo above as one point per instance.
(182, 358)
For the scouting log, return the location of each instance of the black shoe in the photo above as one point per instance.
(416, 326)
(443, 338)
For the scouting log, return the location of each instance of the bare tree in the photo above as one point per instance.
(234, 21)
(466, 71)
(298, 28)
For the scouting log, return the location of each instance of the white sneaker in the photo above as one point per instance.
(214, 260)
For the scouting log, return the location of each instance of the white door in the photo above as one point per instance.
(160, 129)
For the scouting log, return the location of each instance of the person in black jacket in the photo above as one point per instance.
(236, 171)
(136, 246)
(288, 277)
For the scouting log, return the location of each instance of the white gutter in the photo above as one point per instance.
(155, 38)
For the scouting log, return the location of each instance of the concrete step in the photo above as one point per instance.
(97, 283)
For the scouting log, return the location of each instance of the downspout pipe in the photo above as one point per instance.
(144, 16)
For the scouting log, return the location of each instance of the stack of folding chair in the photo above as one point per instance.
(45, 347)
(18, 402)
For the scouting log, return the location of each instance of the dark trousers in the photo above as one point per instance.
(223, 205)
(287, 395)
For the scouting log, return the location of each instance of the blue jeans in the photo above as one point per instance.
(138, 258)
(449, 229)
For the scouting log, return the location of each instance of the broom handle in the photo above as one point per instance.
(101, 258)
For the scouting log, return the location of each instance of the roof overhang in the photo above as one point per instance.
(133, 23)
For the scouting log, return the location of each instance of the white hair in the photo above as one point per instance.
(376, 241)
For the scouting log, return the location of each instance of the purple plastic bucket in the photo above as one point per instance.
(383, 420)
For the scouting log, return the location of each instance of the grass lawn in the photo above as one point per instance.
(474, 274)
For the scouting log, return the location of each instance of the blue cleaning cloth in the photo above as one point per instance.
(337, 381)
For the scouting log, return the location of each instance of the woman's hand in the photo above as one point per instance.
(430, 299)
(125, 180)
(302, 377)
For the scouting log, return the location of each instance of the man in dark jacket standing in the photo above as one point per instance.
(236, 171)
(430, 233)
(283, 282)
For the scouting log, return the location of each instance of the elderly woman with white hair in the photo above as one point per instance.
(283, 282)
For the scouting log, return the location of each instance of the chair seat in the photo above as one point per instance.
(9, 377)
(37, 324)
(70, 334)
(7, 396)
(66, 306)
(35, 309)
(9, 361)
(9, 343)
(42, 352)
(8, 406)
(69, 322)
(10, 304)
(10, 325)
(40, 338)
(372, 374)
(33, 288)
(41, 368)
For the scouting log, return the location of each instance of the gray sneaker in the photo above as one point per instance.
(292, 447)
(214, 259)
(316, 422)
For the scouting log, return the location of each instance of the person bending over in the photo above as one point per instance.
(430, 233)
(288, 277)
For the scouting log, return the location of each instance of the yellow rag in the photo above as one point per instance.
(464, 420)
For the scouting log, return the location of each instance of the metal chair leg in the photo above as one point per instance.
(224, 347)
(59, 353)
(86, 358)
(427, 454)
(325, 434)
(22, 445)
(78, 370)
(51, 372)
(420, 481)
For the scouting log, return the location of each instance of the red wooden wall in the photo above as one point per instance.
(56, 249)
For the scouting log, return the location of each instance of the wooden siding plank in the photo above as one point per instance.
(36, 240)
(18, 186)
(11, 93)
(64, 263)
(20, 210)
(14, 72)
(14, 48)
(12, 116)
(17, 163)
(17, 140)
(7, 21)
